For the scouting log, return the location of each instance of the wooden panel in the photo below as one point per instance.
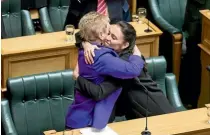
(205, 80)
(36, 62)
(34, 66)
(149, 46)
(206, 32)
(145, 49)
(49, 52)
(205, 59)
(192, 122)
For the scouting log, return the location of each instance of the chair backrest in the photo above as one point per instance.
(11, 17)
(58, 10)
(40, 102)
(173, 11)
(157, 69)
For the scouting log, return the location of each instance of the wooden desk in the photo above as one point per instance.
(205, 59)
(193, 122)
(49, 52)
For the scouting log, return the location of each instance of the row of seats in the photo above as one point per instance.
(39, 103)
(17, 22)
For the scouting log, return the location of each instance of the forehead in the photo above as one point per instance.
(116, 30)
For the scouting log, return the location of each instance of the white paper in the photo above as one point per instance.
(92, 131)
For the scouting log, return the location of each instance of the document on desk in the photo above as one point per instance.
(92, 131)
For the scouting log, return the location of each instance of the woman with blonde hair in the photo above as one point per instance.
(85, 111)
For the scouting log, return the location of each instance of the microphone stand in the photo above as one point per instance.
(148, 29)
(146, 131)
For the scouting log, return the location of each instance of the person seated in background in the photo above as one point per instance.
(117, 10)
(132, 102)
(85, 111)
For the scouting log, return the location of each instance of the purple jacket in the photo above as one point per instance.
(88, 112)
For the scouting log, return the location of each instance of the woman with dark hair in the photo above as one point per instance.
(132, 101)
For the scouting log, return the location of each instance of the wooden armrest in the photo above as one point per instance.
(3, 89)
(177, 51)
(177, 37)
(50, 132)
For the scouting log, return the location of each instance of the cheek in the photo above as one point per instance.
(115, 45)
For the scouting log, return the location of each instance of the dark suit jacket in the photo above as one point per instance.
(28, 4)
(78, 9)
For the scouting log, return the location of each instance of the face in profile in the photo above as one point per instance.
(115, 39)
(104, 35)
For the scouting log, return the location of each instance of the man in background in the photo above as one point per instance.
(117, 10)
(189, 84)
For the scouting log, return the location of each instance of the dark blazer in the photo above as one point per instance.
(78, 8)
(28, 4)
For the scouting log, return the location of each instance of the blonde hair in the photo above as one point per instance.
(91, 25)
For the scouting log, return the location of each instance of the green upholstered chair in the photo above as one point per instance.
(53, 17)
(166, 81)
(37, 103)
(17, 22)
(169, 15)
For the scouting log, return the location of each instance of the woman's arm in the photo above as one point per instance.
(107, 64)
(97, 92)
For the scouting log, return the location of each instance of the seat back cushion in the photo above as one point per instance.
(173, 11)
(58, 10)
(11, 17)
(157, 69)
(40, 102)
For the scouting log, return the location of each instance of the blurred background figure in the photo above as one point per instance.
(117, 10)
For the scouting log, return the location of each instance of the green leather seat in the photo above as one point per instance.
(169, 15)
(156, 67)
(39, 102)
(53, 17)
(166, 81)
(17, 22)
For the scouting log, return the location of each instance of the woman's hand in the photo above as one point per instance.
(136, 51)
(89, 52)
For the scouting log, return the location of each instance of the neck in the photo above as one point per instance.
(98, 41)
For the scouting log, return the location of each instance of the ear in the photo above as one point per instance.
(126, 45)
(101, 36)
